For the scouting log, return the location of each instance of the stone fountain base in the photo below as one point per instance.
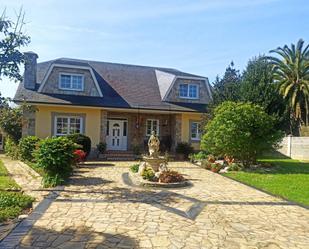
(154, 162)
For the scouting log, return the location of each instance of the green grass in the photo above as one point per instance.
(288, 178)
(6, 182)
(11, 204)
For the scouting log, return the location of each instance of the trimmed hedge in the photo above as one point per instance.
(56, 156)
(27, 146)
(82, 140)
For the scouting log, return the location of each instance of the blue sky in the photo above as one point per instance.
(200, 37)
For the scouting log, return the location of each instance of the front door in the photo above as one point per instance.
(117, 135)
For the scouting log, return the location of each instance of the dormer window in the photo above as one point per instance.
(73, 82)
(188, 91)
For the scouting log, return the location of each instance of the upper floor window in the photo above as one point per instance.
(71, 82)
(189, 91)
(152, 125)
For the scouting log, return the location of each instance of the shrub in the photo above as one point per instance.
(55, 156)
(9, 213)
(134, 168)
(240, 130)
(80, 156)
(198, 156)
(13, 199)
(234, 167)
(101, 147)
(184, 148)
(11, 122)
(170, 177)
(11, 148)
(215, 167)
(82, 140)
(148, 174)
(27, 146)
(136, 149)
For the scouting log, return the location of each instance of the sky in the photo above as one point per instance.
(196, 36)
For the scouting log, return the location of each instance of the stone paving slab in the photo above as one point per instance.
(98, 210)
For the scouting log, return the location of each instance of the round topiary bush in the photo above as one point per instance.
(242, 131)
(82, 140)
(27, 146)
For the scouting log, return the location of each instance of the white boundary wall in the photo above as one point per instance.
(295, 147)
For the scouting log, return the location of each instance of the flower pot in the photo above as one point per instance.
(215, 170)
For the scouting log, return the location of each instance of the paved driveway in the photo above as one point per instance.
(99, 210)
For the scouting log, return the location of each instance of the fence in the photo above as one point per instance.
(295, 147)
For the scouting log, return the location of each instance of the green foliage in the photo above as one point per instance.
(257, 87)
(205, 164)
(9, 213)
(134, 168)
(198, 156)
(11, 148)
(240, 130)
(12, 204)
(184, 148)
(136, 149)
(82, 140)
(291, 74)
(13, 199)
(101, 147)
(11, 122)
(235, 167)
(55, 156)
(27, 146)
(12, 39)
(148, 174)
(227, 88)
(6, 182)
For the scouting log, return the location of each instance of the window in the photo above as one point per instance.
(188, 91)
(71, 82)
(196, 131)
(152, 125)
(68, 125)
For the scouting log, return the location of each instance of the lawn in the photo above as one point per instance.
(5, 181)
(11, 204)
(288, 178)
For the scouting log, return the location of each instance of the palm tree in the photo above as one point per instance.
(291, 74)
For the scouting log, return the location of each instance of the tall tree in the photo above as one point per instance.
(291, 73)
(227, 88)
(12, 39)
(257, 87)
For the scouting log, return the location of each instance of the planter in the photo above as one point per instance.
(215, 170)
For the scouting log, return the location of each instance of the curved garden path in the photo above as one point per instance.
(99, 210)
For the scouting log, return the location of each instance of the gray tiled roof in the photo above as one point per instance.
(122, 85)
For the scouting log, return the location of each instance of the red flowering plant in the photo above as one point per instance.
(80, 155)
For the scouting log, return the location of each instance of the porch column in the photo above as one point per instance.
(28, 123)
(177, 131)
(103, 126)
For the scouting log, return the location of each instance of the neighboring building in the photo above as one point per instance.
(114, 103)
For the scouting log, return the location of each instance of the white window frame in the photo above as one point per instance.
(158, 126)
(69, 121)
(188, 91)
(71, 82)
(198, 131)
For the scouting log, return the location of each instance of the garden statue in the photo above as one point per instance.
(153, 145)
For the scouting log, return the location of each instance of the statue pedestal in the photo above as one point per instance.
(154, 162)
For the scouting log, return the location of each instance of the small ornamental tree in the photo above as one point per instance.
(240, 130)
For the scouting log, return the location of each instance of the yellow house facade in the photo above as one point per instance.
(116, 104)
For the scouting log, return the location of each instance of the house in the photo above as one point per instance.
(114, 103)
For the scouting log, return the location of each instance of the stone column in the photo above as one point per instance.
(176, 131)
(103, 126)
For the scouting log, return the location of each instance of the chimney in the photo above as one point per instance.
(30, 70)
